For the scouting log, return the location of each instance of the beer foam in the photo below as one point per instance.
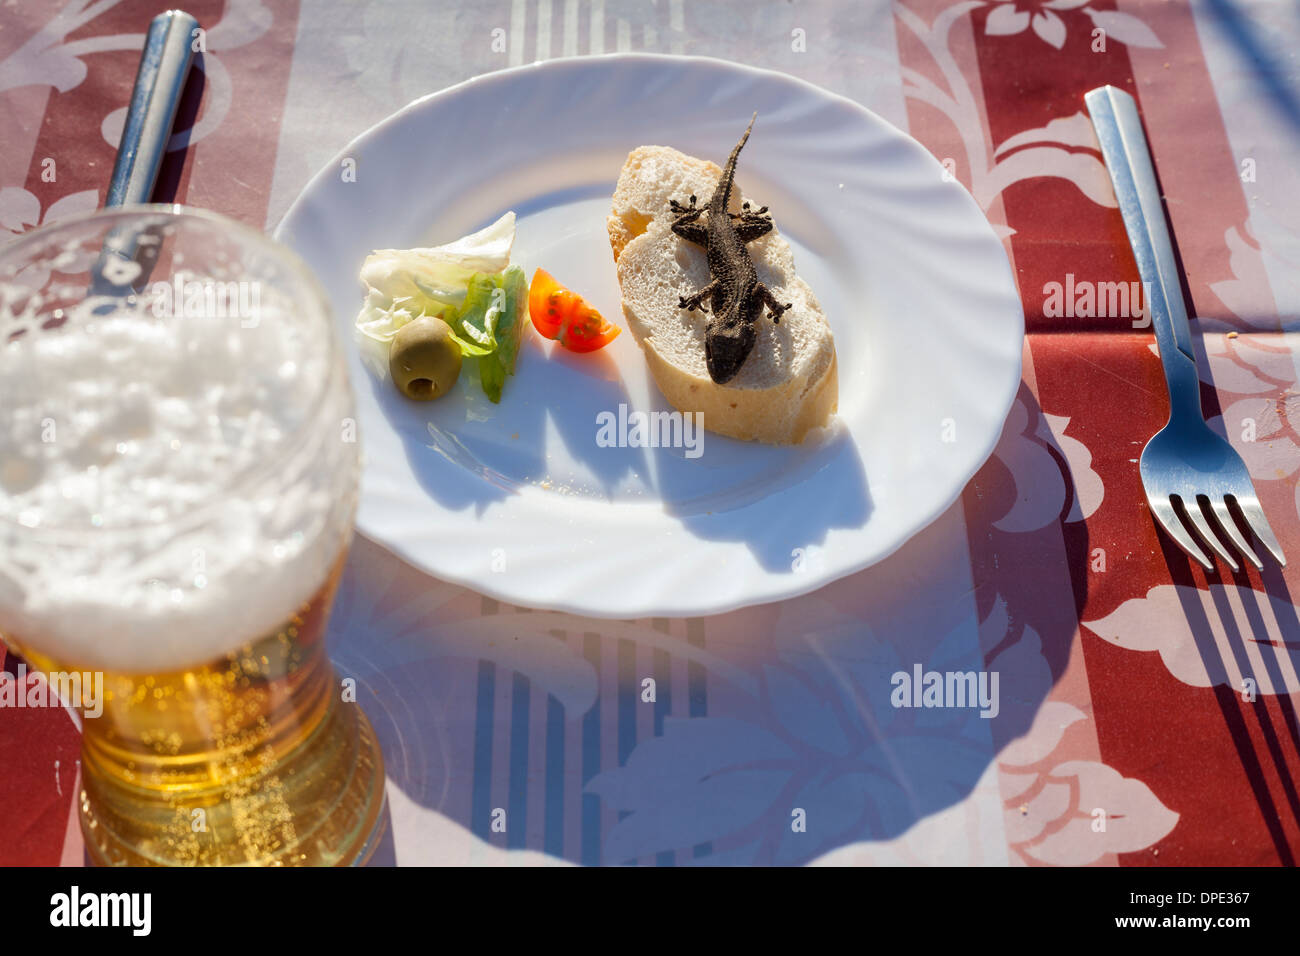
(174, 483)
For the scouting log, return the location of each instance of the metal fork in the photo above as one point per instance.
(1185, 466)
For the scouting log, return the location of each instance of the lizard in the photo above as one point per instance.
(735, 295)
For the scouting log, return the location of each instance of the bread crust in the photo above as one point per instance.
(629, 218)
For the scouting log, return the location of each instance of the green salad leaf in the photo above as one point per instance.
(492, 317)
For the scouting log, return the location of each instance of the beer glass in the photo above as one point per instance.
(178, 479)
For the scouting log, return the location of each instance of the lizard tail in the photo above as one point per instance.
(729, 173)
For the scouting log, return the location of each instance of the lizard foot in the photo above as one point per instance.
(750, 225)
(696, 301)
(678, 208)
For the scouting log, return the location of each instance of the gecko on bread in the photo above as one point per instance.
(735, 295)
(753, 379)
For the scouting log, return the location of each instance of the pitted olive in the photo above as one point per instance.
(424, 359)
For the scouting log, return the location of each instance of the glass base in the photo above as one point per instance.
(323, 804)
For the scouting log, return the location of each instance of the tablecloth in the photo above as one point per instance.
(1147, 710)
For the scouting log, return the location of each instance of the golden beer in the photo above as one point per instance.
(251, 758)
(176, 500)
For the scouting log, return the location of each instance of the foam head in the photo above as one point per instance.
(178, 462)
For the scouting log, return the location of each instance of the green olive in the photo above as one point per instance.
(424, 359)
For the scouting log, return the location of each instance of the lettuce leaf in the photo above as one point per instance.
(380, 320)
(492, 316)
(440, 273)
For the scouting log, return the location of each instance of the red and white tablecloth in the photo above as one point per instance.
(1148, 708)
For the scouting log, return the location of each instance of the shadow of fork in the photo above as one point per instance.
(1233, 702)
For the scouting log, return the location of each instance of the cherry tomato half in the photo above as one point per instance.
(565, 316)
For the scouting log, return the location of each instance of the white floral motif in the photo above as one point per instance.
(1008, 17)
(1065, 148)
(1073, 812)
(1087, 486)
(1207, 637)
(20, 211)
(1048, 809)
(1034, 471)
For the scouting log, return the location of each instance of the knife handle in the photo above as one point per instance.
(159, 81)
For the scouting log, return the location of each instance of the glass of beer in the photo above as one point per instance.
(178, 479)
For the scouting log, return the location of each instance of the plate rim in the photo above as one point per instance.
(670, 605)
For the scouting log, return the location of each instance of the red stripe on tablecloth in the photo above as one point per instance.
(1059, 231)
(39, 750)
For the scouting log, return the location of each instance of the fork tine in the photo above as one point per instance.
(1228, 525)
(1168, 518)
(1197, 517)
(1254, 516)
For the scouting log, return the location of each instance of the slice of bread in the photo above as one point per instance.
(788, 385)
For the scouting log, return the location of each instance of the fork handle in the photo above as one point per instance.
(1128, 160)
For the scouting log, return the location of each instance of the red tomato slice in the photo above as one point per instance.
(565, 316)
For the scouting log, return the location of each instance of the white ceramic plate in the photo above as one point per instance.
(518, 500)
